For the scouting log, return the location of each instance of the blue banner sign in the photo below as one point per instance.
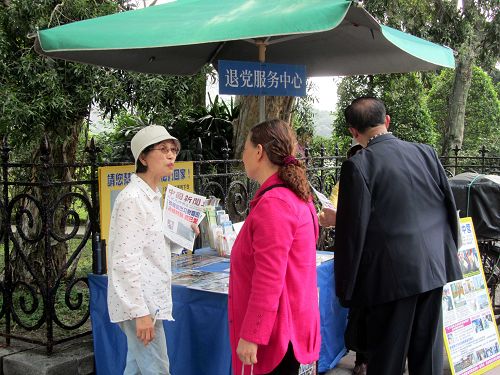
(255, 78)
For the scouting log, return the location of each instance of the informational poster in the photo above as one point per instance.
(470, 331)
(113, 179)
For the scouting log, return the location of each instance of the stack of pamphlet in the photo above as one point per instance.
(217, 282)
(221, 234)
(198, 272)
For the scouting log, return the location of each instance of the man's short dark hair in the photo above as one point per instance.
(365, 112)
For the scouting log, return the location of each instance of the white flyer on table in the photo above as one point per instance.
(180, 210)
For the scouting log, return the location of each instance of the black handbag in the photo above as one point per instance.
(355, 333)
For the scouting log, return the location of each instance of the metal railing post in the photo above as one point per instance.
(7, 298)
(47, 293)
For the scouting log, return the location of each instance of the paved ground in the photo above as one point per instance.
(346, 365)
(71, 358)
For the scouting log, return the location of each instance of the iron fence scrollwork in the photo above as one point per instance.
(44, 236)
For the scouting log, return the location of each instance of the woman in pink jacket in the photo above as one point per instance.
(273, 297)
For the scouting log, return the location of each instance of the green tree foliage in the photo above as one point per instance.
(470, 27)
(303, 115)
(39, 95)
(405, 99)
(318, 145)
(160, 99)
(42, 96)
(212, 125)
(482, 112)
(446, 22)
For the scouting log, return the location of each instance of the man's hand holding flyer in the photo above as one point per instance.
(180, 210)
(328, 215)
(325, 202)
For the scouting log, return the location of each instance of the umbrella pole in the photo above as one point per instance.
(262, 99)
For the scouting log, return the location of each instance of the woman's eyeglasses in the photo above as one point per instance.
(165, 150)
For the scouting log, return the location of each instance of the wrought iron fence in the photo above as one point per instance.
(47, 222)
(49, 229)
(483, 163)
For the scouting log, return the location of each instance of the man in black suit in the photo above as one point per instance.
(396, 243)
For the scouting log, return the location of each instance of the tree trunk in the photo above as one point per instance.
(276, 107)
(62, 152)
(455, 121)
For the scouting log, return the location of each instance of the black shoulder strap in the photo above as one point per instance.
(270, 188)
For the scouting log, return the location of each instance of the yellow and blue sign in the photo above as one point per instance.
(469, 328)
(113, 179)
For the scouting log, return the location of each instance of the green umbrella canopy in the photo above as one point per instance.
(330, 37)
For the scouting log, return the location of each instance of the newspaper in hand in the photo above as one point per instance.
(180, 210)
(325, 202)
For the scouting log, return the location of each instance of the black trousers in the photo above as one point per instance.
(411, 327)
(288, 365)
(361, 357)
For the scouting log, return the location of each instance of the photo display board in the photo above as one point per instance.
(470, 331)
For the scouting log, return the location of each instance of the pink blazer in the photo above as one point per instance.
(273, 296)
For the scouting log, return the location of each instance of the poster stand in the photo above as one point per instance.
(470, 332)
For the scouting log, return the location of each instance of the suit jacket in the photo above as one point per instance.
(273, 292)
(396, 231)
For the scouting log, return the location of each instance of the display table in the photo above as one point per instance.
(198, 339)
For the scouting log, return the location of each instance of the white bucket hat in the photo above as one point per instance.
(148, 136)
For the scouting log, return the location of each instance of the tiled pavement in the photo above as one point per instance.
(346, 365)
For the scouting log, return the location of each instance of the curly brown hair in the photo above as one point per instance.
(279, 142)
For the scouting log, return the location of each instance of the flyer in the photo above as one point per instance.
(323, 256)
(181, 209)
(191, 261)
(325, 202)
(470, 331)
(216, 282)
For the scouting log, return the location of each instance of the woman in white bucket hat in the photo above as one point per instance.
(139, 271)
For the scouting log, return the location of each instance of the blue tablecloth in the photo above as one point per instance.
(198, 339)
